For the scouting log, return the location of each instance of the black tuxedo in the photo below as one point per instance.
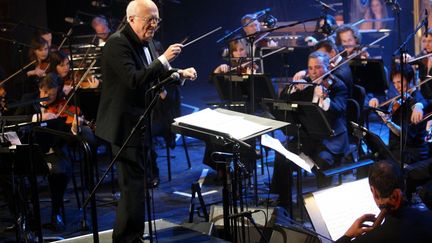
(127, 77)
(405, 225)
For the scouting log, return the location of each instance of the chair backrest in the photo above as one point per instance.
(359, 94)
(352, 115)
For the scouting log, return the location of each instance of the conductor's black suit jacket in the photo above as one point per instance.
(126, 79)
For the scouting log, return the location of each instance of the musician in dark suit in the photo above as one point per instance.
(401, 223)
(325, 153)
(130, 67)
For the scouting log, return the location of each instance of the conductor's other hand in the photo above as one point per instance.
(173, 51)
(188, 73)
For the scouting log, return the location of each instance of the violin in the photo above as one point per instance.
(379, 219)
(62, 109)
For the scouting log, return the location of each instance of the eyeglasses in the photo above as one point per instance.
(151, 19)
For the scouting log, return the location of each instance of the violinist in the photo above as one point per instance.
(425, 67)
(401, 223)
(237, 51)
(39, 52)
(59, 64)
(59, 164)
(415, 147)
(342, 72)
(349, 38)
(326, 153)
(253, 27)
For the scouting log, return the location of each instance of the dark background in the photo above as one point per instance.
(181, 18)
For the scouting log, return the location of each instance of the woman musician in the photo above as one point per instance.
(416, 149)
(59, 64)
(39, 52)
(56, 150)
(237, 51)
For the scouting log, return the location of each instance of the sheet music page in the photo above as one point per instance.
(342, 205)
(275, 144)
(236, 126)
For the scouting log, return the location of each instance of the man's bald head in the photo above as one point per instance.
(143, 16)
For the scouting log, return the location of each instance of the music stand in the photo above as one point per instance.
(371, 74)
(304, 116)
(25, 160)
(237, 88)
(286, 62)
(88, 101)
(378, 148)
(193, 126)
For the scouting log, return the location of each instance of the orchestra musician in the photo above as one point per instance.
(343, 72)
(55, 153)
(253, 27)
(399, 222)
(375, 12)
(59, 64)
(416, 148)
(349, 38)
(237, 51)
(325, 153)
(425, 67)
(101, 27)
(130, 67)
(39, 52)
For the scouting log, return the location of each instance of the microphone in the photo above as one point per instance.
(74, 20)
(261, 12)
(174, 78)
(426, 23)
(247, 214)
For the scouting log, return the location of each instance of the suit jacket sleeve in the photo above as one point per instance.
(122, 61)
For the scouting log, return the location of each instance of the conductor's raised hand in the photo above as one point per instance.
(188, 73)
(173, 51)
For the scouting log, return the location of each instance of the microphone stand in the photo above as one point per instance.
(138, 126)
(401, 50)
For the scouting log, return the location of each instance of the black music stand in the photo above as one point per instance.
(371, 74)
(222, 138)
(374, 143)
(25, 160)
(304, 117)
(286, 62)
(237, 87)
(88, 101)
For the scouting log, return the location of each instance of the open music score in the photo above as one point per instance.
(235, 126)
(333, 210)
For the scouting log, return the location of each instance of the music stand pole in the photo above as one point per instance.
(401, 51)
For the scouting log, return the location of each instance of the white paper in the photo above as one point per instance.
(275, 144)
(236, 126)
(342, 205)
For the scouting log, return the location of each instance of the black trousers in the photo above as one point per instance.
(130, 217)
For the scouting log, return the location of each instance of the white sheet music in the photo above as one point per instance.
(275, 144)
(236, 126)
(342, 205)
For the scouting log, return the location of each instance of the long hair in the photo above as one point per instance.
(36, 44)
